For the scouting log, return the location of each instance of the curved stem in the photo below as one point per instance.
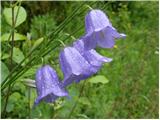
(70, 36)
(89, 7)
(61, 42)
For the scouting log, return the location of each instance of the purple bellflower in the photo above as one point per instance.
(99, 31)
(49, 88)
(74, 66)
(94, 58)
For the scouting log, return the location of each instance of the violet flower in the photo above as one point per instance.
(94, 58)
(74, 66)
(49, 88)
(99, 31)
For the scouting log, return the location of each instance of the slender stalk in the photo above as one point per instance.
(50, 47)
(29, 95)
(19, 73)
(15, 17)
(80, 94)
(29, 103)
(11, 62)
(66, 21)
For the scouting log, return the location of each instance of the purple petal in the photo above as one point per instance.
(90, 41)
(105, 38)
(48, 85)
(95, 58)
(79, 68)
(56, 86)
(79, 45)
(115, 34)
(96, 20)
(99, 31)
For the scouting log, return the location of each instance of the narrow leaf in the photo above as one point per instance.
(37, 43)
(99, 79)
(17, 37)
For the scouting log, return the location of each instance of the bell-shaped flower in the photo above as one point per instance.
(94, 58)
(74, 66)
(99, 31)
(49, 88)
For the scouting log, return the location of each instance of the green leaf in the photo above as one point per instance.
(17, 37)
(4, 71)
(99, 79)
(10, 107)
(4, 56)
(37, 43)
(17, 55)
(13, 101)
(21, 15)
(15, 96)
(84, 101)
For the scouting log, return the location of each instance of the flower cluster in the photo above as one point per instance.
(79, 61)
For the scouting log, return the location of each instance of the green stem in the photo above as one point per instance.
(18, 74)
(70, 36)
(11, 62)
(14, 23)
(66, 21)
(89, 7)
(13, 5)
(29, 103)
(61, 42)
(15, 18)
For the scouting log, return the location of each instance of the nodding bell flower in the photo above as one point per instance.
(74, 66)
(94, 58)
(49, 88)
(99, 31)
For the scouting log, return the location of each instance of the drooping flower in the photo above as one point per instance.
(49, 88)
(94, 58)
(74, 66)
(99, 31)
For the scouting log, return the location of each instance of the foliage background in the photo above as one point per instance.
(132, 90)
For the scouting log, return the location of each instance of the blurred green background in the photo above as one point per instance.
(132, 90)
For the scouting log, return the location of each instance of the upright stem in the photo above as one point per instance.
(12, 43)
(29, 94)
(11, 62)
(29, 103)
(80, 94)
